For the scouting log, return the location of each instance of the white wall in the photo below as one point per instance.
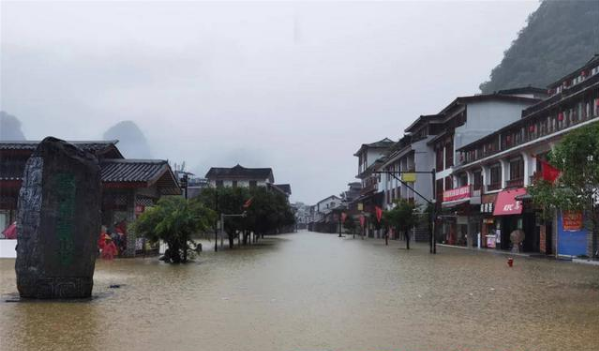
(7, 248)
(240, 183)
(485, 117)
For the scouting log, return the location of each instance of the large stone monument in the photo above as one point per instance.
(58, 222)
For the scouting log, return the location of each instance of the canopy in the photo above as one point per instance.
(507, 204)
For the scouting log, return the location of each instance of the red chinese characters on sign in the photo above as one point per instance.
(572, 221)
(462, 192)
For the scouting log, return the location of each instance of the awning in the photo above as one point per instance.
(507, 204)
(450, 204)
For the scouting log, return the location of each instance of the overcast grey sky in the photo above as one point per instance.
(293, 86)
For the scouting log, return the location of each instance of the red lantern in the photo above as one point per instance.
(583, 73)
(560, 117)
(531, 128)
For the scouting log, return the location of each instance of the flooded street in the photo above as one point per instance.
(310, 291)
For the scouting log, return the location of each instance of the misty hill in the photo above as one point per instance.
(10, 127)
(132, 141)
(559, 37)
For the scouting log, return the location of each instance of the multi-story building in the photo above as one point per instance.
(503, 163)
(463, 121)
(239, 176)
(324, 216)
(412, 154)
(370, 159)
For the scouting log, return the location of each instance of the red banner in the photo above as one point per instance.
(362, 221)
(572, 221)
(343, 217)
(462, 192)
(379, 213)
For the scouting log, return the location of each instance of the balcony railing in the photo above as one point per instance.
(515, 183)
(372, 187)
(493, 186)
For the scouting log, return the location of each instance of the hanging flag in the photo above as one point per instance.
(549, 172)
(362, 221)
(343, 217)
(248, 203)
(379, 213)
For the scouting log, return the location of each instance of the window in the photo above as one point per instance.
(234, 184)
(253, 184)
(448, 183)
(517, 169)
(478, 180)
(440, 159)
(495, 181)
(219, 183)
(463, 179)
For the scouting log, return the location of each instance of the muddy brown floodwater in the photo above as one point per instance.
(310, 291)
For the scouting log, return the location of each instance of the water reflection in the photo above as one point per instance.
(318, 292)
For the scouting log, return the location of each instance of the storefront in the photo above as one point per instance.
(511, 214)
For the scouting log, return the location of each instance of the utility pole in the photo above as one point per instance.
(432, 202)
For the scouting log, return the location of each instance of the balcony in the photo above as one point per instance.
(493, 187)
(515, 183)
(370, 188)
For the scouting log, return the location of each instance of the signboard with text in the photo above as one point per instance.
(572, 221)
(460, 193)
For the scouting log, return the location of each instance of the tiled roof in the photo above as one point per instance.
(128, 170)
(286, 188)
(239, 172)
(141, 172)
(381, 144)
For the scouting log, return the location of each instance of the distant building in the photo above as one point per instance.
(370, 160)
(302, 215)
(285, 189)
(324, 215)
(240, 176)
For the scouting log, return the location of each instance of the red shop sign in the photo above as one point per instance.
(572, 221)
(462, 192)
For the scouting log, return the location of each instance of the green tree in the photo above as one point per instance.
(350, 225)
(577, 188)
(174, 220)
(269, 212)
(227, 201)
(402, 218)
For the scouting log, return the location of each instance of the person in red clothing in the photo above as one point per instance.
(102, 239)
(109, 250)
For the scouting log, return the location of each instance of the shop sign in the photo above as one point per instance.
(460, 193)
(507, 204)
(408, 177)
(486, 208)
(572, 221)
(360, 206)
